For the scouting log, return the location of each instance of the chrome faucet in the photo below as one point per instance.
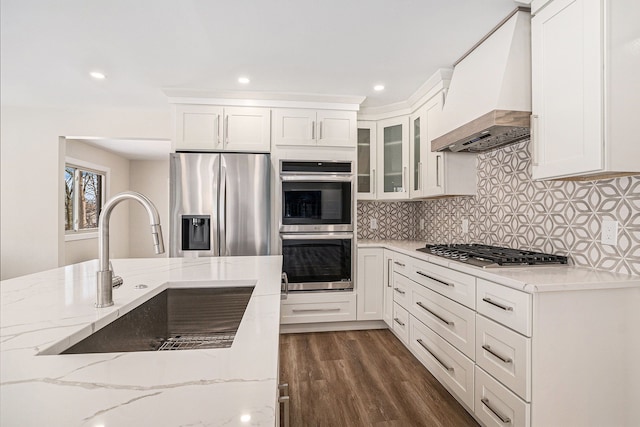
(105, 274)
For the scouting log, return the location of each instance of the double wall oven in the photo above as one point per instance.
(316, 224)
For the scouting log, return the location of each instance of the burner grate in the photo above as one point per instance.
(495, 254)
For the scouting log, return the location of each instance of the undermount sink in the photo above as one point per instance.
(175, 319)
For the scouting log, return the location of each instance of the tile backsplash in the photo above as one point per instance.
(510, 209)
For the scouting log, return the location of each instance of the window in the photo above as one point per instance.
(84, 197)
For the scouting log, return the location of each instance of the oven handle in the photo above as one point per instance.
(318, 236)
(317, 178)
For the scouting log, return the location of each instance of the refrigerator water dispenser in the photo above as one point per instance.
(196, 235)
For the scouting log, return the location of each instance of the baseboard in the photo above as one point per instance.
(332, 326)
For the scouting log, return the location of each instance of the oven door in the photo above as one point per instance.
(317, 203)
(318, 262)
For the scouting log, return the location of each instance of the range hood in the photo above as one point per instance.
(489, 101)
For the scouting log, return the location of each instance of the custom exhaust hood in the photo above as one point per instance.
(489, 101)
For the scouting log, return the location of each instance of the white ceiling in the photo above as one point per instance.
(339, 47)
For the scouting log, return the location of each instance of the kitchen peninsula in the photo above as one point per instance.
(48, 311)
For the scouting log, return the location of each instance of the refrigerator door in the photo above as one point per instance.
(244, 204)
(194, 188)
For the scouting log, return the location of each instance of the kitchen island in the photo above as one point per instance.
(48, 311)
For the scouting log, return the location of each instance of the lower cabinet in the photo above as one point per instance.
(318, 307)
(451, 367)
(519, 359)
(369, 284)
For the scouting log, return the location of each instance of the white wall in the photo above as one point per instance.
(31, 203)
(151, 178)
(118, 181)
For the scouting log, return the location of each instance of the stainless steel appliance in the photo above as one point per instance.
(316, 196)
(220, 204)
(319, 261)
(316, 224)
(486, 256)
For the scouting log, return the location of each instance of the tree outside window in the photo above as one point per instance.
(84, 196)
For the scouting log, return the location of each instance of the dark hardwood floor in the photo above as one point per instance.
(362, 378)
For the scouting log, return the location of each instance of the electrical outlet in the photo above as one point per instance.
(609, 234)
(465, 225)
(421, 223)
(373, 223)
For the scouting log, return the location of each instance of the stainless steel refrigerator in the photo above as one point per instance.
(220, 204)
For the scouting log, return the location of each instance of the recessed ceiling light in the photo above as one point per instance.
(98, 75)
(243, 80)
(378, 88)
(245, 418)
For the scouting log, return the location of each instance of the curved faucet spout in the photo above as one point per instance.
(104, 291)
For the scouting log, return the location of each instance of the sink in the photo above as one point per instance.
(175, 319)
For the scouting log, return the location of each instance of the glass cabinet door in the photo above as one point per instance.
(394, 149)
(416, 154)
(366, 185)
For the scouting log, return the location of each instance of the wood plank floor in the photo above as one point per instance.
(362, 378)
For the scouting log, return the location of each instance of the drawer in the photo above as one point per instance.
(505, 305)
(448, 365)
(318, 307)
(458, 286)
(452, 321)
(401, 323)
(504, 354)
(401, 287)
(496, 406)
(401, 264)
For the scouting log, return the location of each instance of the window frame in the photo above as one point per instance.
(87, 233)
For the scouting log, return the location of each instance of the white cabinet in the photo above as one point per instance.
(302, 127)
(214, 128)
(387, 283)
(310, 307)
(366, 155)
(436, 174)
(369, 282)
(392, 177)
(585, 86)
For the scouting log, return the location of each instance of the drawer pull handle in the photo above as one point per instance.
(398, 321)
(504, 359)
(505, 420)
(436, 315)
(497, 304)
(310, 310)
(433, 278)
(422, 344)
(400, 291)
(399, 263)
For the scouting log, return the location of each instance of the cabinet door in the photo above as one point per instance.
(198, 127)
(294, 127)
(434, 179)
(336, 128)
(567, 80)
(416, 154)
(369, 283)
(393, 159)
(387, 283)
(366, 184)
(247, 129)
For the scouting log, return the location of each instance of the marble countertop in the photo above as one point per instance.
(528, 279)
(233, 386)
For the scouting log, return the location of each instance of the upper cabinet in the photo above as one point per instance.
(214, 128)
(585, 88)
(395, 160)
(303, 127)
(366, 156)
(392, 179)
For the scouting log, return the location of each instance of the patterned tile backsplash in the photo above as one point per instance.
(510, 209)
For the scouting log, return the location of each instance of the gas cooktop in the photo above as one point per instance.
(493, 256)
